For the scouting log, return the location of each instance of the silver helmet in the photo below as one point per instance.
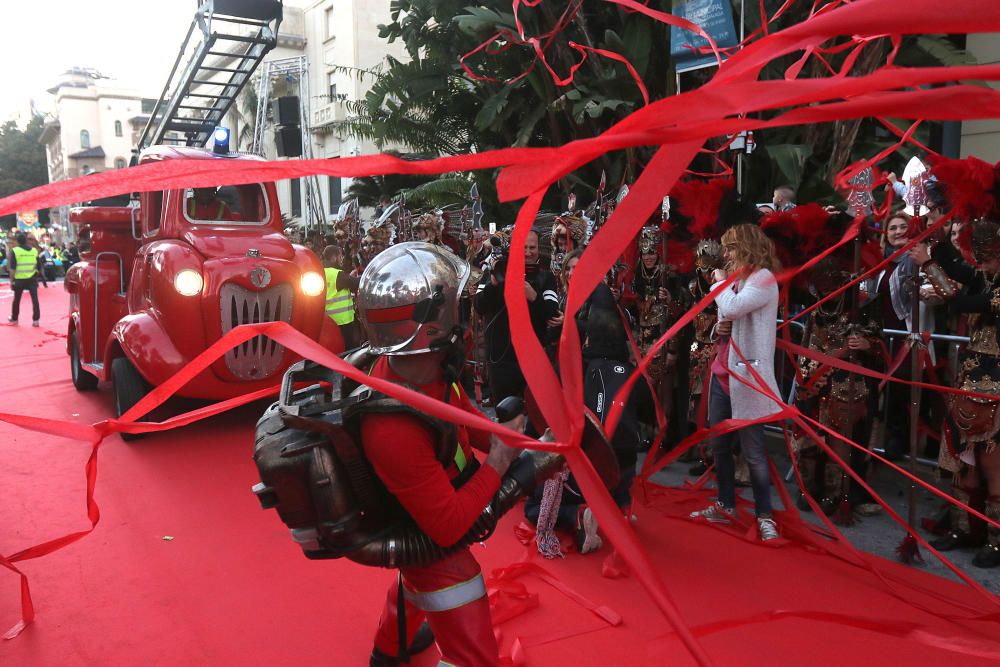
(409, 297)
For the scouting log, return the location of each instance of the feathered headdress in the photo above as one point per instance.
(970, 186)
(699, 203)
(799, 233)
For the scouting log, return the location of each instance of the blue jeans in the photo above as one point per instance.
(751, 440)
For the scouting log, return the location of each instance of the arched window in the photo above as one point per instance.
(119, 163)
(84, 139)
(118, 128)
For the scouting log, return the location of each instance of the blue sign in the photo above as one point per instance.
(716, 18)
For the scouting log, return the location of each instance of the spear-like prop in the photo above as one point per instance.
(405, 219)
(845, 513)
(477, 207)
(599, 204)
(354, 215)
(908, 550)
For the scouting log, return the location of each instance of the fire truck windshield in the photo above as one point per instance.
(229, 204)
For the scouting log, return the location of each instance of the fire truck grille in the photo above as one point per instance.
(259, 357)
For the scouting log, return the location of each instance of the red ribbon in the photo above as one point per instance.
(679, 125)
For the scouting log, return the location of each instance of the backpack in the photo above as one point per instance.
(603, 378)
(312, 466)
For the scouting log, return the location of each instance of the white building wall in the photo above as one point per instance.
(982, 137)
(337, 34)
(94, 109)
(112, 109)
(83, 102)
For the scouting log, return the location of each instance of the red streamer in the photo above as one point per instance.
(679, 125)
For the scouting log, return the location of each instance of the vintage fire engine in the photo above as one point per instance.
(164, 277)
(161, 280)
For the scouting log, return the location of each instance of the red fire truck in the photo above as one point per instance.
(162, 279)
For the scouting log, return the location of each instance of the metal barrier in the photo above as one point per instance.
(893, 336)
(897, 335)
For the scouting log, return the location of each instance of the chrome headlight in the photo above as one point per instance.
(312, 283)
(188, 282)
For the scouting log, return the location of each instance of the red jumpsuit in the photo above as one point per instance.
(401, 449)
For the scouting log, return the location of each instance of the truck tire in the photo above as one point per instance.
(128, 387)
(82, 380)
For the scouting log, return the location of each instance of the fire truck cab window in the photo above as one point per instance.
(230, 204)
(152, 206)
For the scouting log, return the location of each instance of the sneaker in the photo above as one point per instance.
(953, 541)
(714, 513)
(587, 537)
(12, 320)
(767, 528)
(34, 323)
(988, 556)
(868, 509)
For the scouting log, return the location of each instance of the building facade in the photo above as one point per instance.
(339, 39)
(93, 127)
(96, 121)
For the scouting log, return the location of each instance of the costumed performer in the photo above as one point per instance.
(409, 298)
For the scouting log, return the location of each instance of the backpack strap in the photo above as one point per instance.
(365, 400)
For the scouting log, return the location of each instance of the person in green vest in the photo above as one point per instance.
(24, 269)
(340, 289)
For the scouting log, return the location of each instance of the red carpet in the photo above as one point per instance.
(231, 587)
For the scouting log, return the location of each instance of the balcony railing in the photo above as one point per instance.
(328, 114)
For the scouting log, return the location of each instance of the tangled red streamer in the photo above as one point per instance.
(679, 125)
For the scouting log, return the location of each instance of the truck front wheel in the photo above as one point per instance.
(82, 380)
(128, 387)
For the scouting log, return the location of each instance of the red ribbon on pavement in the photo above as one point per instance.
(678, 125)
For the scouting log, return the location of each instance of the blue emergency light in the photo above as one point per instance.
(221, 137)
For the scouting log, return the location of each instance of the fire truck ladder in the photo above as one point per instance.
(226, 42)
(292, 69)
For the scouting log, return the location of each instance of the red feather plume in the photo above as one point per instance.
(969, 185)
(964, 244)
(801, 232)
(681, 256)
(699, 201)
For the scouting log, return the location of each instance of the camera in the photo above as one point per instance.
(498, 265)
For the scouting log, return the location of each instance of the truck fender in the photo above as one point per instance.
(72, 325)
(142, 339)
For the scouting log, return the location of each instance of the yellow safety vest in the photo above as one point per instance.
(27, 263)
(339, 303)
(460, 460)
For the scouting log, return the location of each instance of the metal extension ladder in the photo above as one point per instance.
(292, 69)
(226, 42)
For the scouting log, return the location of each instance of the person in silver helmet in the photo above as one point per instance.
(408, 298)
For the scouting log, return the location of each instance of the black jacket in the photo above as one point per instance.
(496, 322)
(605, 373)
